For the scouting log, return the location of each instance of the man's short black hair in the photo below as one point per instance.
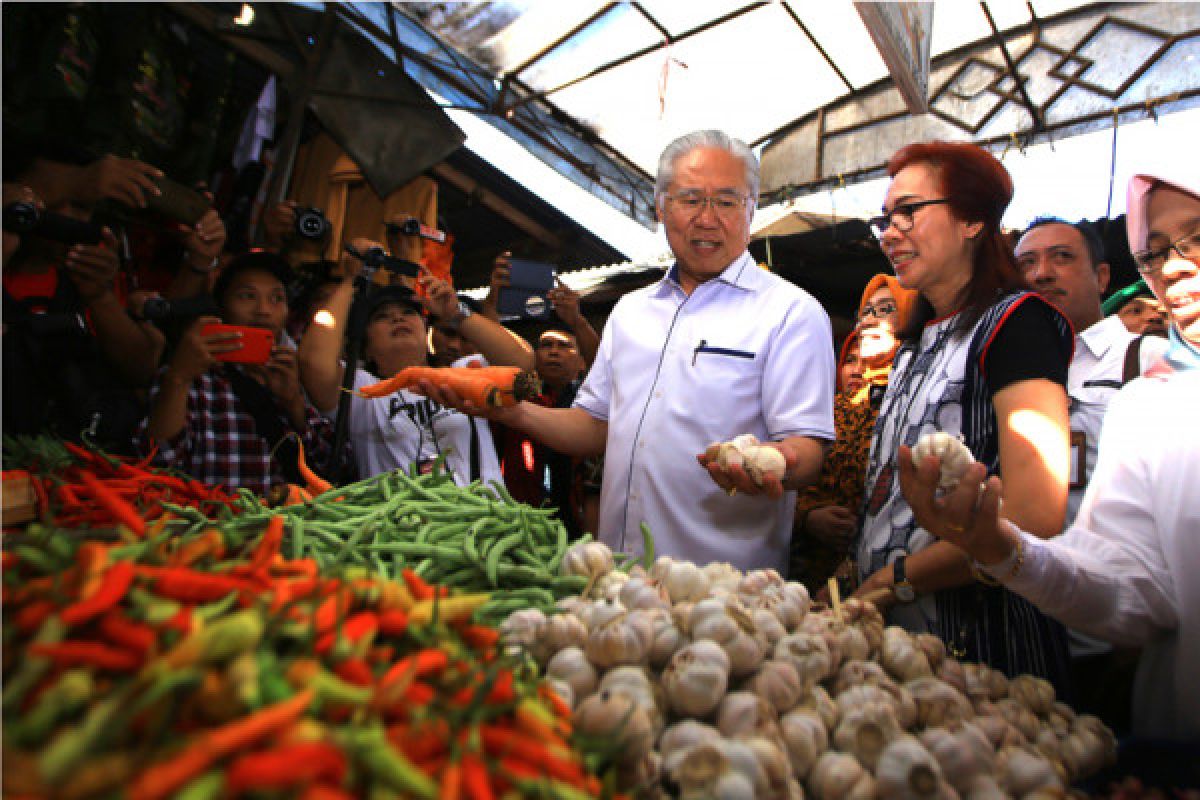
(1092, 239)
(262, 260)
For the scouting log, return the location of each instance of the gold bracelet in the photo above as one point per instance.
(1020, 559)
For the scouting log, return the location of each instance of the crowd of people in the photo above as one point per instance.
(1072, 533)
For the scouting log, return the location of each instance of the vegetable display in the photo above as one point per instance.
(197, 661)
(706, 682)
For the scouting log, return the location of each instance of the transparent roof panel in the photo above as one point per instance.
(679, 17)
(622, 30)
(713, 79)
(840, 31)
(535, 29)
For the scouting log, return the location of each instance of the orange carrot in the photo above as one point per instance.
(268, 546)
(484, 387)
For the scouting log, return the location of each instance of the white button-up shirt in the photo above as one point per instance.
(746, 352)
(1126, 570)
(1093, 380)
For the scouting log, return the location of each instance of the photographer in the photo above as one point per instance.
(236, 424)
(404, 428)
(73, 356)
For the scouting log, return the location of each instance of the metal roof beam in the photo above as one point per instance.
(998, 38)
(555, 44)
(800, 24)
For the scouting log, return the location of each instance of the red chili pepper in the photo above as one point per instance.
(354, 628)
(188, 586)
(354, 670)
(39, 489)
(121, 511)
(67, 496)
(476, 785)
(120, 630)
(286, 766)
(418, 694)
(31, 617)
(419, 665)
(393, 623)
(112, 589)
(322, 792)
(80, 653)
(8, 560)
(480, 637)
(180, 621)
(268, 546)
(417, 587)
(331, 609)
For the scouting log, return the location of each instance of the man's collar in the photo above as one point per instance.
(738, 274)
(1101, 336)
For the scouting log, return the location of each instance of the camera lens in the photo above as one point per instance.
(20, 217)
(311, 223)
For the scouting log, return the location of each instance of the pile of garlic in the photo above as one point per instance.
(714, 683)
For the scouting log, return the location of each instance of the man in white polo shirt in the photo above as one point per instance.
(717, 348)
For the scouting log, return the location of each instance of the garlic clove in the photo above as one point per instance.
(907, 771)
(954, 456)
(806, 738)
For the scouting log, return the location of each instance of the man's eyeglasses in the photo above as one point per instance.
(882, 310)
(723, 203)
(1151, 262)
(901, 216)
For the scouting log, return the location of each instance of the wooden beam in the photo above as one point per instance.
(205, 18)
(496, 203)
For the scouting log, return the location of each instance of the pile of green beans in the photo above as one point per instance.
(475, 538)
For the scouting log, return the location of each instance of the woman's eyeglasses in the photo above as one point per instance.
(881, 310)
(1151, 262)
(901, 216)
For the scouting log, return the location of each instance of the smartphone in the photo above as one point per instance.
(526, 294)
(178, 202)
(256, 343)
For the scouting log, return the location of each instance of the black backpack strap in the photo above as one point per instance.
(259, 404)
(475, 465)
(1133, 360)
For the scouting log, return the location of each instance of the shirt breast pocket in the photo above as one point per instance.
(721, 365)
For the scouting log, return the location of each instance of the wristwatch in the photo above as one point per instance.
(900, 586)
(455, 322)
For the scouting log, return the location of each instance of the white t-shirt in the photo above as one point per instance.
(396, 431)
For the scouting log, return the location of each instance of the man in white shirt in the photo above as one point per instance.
(1064, 263)
(717, 348)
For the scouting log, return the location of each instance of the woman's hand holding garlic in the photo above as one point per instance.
(967, 515)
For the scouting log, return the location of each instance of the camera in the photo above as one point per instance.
(377, 258)
(413, 227)
(159, 309)
(311, 223)
(24, 218)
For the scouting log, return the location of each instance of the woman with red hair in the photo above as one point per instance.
(827, 512)
(984, 360)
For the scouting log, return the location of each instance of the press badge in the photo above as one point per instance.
(1078, 459)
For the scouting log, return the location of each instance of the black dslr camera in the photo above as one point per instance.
(24, 218)
(311, 223)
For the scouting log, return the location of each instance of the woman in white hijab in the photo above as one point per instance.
(1128, 570)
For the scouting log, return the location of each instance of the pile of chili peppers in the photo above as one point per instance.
(186, 658)
(89, 488)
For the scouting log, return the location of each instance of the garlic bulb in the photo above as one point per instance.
(839, 776)
(901, 657)
(999, 731)
(962, 751)
(938, 703)
(608, 586)
(773, 765)
(523, 628)
(685, 734)
(728, 455)
(635, 682)
(857, 673)
(985, 682)
(1021, 771)
(826, 626)
(623, 640)
(820, 703)
(599, 612)
(806, 738)
(759, 580)
(778, 683)
(789, 602)
(864, 731)
(984, 787)
(643, 593)
(951, 672)
(1020, 717)
(722, 576)
(768, 626)
(695, 678)
(907, 771)
(746, 714)
(933, 648)
(1034, 693)
(571, 666)
(733, 629)
(562, 630)
(667, 639)
(616, 714)
(897, 698)
(764, 461)
(682, 580)
(705, 771)
(954, 455)
(808, 653)
(641, 775)
(587, 559)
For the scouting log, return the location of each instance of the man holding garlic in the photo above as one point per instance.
(716, 349)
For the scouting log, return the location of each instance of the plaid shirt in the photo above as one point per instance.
(220, 444)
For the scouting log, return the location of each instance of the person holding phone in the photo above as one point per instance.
(404, 428)
(717, 348)
(227, 409)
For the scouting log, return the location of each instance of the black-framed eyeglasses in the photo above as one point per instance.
(694, 202)
(1151, 262)
(901, 216)
(881, 310)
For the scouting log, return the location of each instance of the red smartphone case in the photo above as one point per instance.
(256, 343)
